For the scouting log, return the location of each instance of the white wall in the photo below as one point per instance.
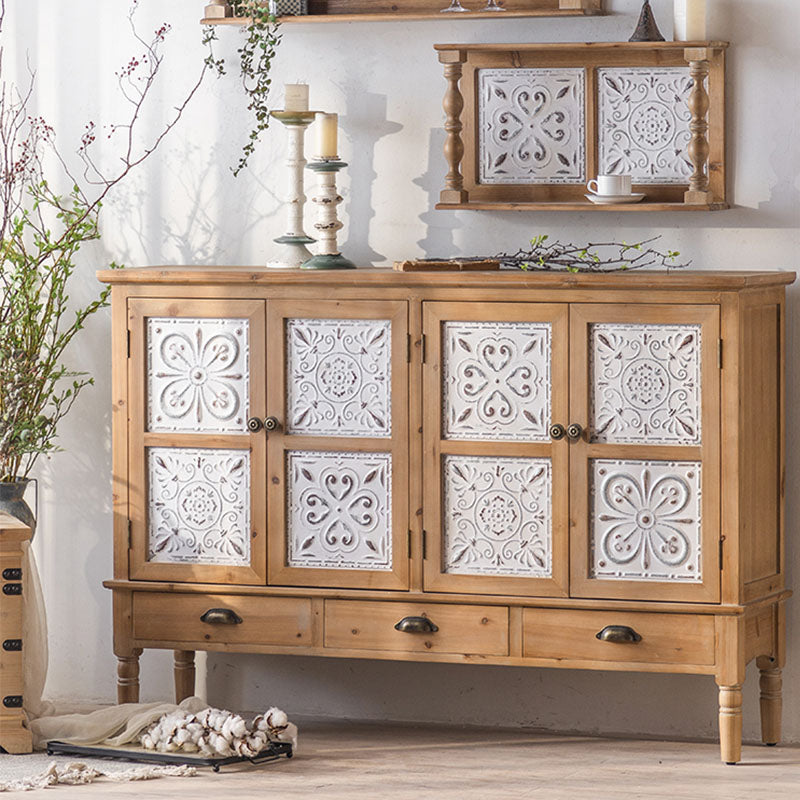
(184, 207)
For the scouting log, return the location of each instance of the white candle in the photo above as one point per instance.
(327, 135)
(296, 97)
(690, 21)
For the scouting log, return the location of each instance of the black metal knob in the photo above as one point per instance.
(254, 424)
(416, 625)
(557, 432)
(221, 616)
(618, 634)
(271, 424)
(574, 431)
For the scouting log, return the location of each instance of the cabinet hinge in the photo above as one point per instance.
(129, 343)
(408, 348)
(721, 545)
(719, 355)
(409, 544)
(424, 348)
(130, 535)
(424, 545)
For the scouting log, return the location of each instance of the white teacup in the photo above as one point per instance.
(610, 185)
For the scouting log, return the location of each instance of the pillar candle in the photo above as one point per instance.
(296, 97)
(690, 21)
(327, 135)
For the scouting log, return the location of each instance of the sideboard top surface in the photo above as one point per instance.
(370, 277)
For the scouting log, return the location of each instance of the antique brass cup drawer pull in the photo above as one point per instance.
(619, 634)
(416, 625)
(221, 616)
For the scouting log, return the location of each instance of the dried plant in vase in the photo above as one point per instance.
(42, 233)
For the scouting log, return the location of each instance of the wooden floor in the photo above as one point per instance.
(345, 761)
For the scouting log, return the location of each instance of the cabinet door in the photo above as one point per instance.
(644, 475)
(496, 499)
(338, 463)
(197, 475)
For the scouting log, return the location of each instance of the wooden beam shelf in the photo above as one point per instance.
(585, 206)
(220, 12)
(529, 124)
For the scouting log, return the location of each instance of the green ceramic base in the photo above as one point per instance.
(337, 261)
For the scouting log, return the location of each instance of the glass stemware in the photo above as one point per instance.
(455, 5)
(491, 5)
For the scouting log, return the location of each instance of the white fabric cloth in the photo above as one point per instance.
(115, 726)
(34, 636)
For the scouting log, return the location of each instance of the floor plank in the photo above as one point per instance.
(344, 760)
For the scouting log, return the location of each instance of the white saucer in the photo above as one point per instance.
(613, 199)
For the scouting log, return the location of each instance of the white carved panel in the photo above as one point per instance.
(644, 123)
(646, 520)
(339, 377)
(197, 375)
(532, 126)
(645, 383)
(199, 506)
(340, 510)
(497, 516)
(496, 381)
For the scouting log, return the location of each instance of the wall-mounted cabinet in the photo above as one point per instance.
(529, 124)
(221, 13)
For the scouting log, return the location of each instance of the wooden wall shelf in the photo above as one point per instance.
(529, 124)
(378, 11)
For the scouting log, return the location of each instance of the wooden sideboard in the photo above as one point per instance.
(14, 736)
(533, 469)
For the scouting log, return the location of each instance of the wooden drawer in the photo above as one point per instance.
(264, 620)
(665, 638)
(469, 630)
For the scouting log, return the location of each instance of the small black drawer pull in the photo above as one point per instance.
(12, 588)
(12, 574)
(12, 645)
(416, 625)
(13, 701)
(221, 616)
(618, 634)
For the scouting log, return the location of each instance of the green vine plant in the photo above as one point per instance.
(42, 233)
(256, 56)
(592, 257)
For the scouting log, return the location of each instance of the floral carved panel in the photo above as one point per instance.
(199, 506)
(497, 516)
(646, 520)
(645, 383)
(339, 377)
(532, 126)
(496, 380)
(340, 510)
(197, 375)
(644, 123)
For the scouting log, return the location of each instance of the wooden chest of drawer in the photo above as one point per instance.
(633, 637)
(471, 630)
(229, 619)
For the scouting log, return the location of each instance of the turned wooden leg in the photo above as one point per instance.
(770, 684)
(184, 674)
(730, 723)
(128, 677)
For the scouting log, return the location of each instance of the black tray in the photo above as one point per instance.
(272, 753)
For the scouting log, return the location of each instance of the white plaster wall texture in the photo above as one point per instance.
(184, 207)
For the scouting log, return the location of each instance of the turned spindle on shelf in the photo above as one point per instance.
(699, 68)
(453, 104)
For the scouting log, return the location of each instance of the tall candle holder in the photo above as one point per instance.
(327, 224)
(294, 252)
